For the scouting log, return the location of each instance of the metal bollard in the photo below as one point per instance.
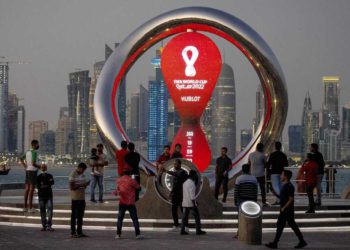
(250, 223)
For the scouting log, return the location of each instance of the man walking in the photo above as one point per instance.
(30, 162)
(120, 155)
(321, 164)
(132, 159)
(97, 177)
(44, 184)
(127, 189)
(223, 166)
(189, 203)
(257, 162)
(287, 212)
(275, 165)
(78, 184)
(179, 176)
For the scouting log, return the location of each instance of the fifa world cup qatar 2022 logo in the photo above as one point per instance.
(191, 64)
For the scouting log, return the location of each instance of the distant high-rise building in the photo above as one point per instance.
(259, 108)
(295, 135)
(223, 124)
(78, 109)
(64, 112)
(4, 92)
(62, 135)
(246, 137)
(330, 112)
(47, 142)
(206, 120)
(157, 112)
(174, 121)
(12, 122)
(311, 129)
(21, 129)
(36, 128)
(346, 123)
(330, 145)
(134, 116)
(143, 112)
(304, 118)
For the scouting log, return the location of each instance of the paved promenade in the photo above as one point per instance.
(33, 238)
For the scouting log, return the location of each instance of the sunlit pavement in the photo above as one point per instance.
(33, 238)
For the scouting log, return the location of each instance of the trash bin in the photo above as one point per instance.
(250, 223)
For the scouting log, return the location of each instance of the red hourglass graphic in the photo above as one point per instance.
(191, 64)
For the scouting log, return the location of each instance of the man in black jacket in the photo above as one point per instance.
(44, 184)
(318, 157)
(132, 160)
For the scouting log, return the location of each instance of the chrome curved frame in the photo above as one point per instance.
(244, 37)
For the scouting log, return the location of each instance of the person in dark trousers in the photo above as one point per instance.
(177, 152)
(222, 168)
(310, 169)
(127, 189)
(132, 160)
(287, 212)
(179, 176)
(321, 164)
(276, 163)
(163, 158)
(44, 183)
(189, 203)
(78, 184)
(246, 188)
(257, 162)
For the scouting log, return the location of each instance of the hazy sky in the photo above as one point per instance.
(309, 38)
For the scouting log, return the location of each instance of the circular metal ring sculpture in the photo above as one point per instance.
(199, 19)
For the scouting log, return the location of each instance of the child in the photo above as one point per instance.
(44, 184)
(93, 160)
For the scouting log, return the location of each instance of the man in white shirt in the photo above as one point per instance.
(30, 162)
(189, 204)
(257, 162)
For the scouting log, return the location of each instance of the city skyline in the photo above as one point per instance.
(308, 42)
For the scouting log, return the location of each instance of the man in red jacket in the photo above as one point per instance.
(310, 169)
(126, 190)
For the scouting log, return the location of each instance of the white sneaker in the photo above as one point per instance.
(118, 237)
(174, 229)
(140, 237)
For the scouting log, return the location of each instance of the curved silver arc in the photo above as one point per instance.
(261, 56)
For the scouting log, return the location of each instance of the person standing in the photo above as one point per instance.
(132, 159)
(287, 212)
(44, 183)
(222, 168)
(189, 203)
(177, 152)
(321, 164)
(179, 177)
(310, 169)
(77, 185)
(97, 177)
(163, 158)
(257, 162)
(120, 155)
(30, 162)
(127, 189)
(275, 165)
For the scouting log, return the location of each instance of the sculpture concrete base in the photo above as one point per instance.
(151, 206)
(346, 193)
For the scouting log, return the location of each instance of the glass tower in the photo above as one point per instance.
(4, 92)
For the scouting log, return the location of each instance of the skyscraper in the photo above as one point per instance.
(4, 77)
(246, 137)
(12, 122)
(295, 135)
(259, 108)
(47, 142)
(36, 128)
(21, 129)
(331, 118)
(223, 124)
(143, 112)
(304, 118)
(62, 135)
(158, 112)
(345, 145)
(78, 108)
(311, 129)
(134, 116)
